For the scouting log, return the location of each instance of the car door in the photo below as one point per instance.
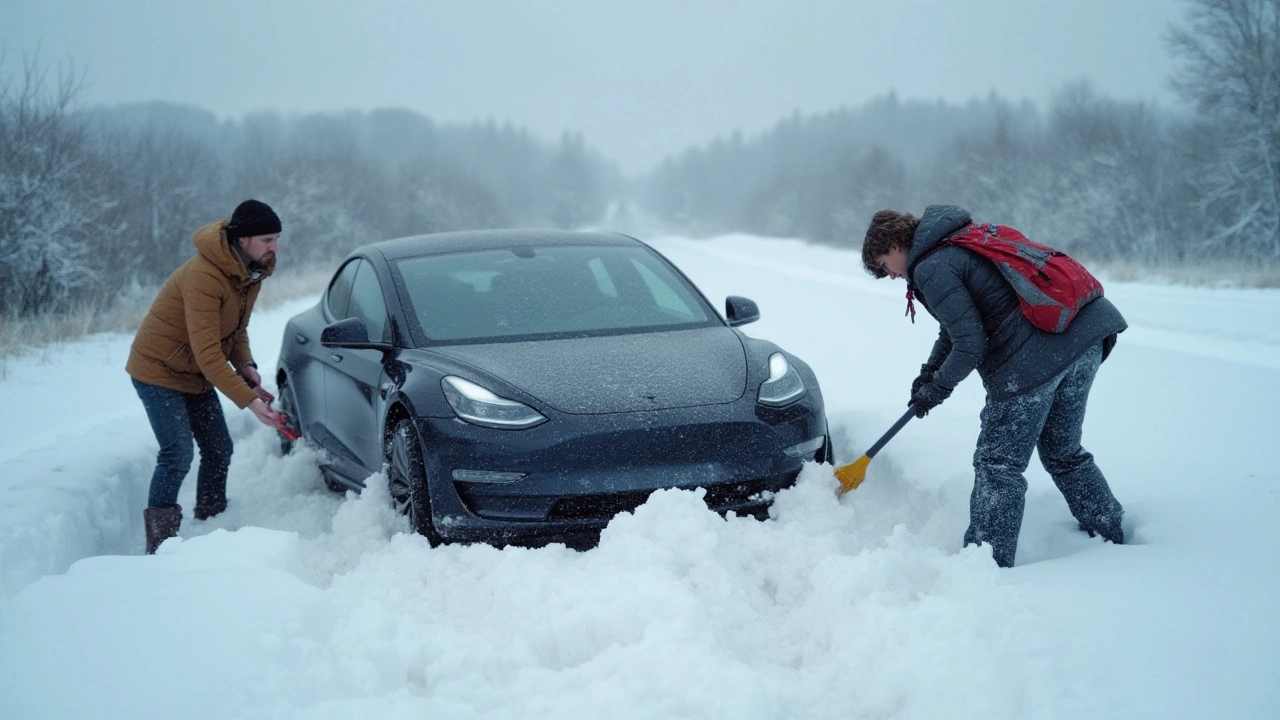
(306, 359)
(353, 405)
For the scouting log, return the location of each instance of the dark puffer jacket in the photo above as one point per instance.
(981, 325)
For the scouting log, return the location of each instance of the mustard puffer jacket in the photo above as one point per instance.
(196, 334)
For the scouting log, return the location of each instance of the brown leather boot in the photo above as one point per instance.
(161, 523)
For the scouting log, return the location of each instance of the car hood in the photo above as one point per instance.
(619, 373)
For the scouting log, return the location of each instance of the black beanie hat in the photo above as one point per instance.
(253, 217)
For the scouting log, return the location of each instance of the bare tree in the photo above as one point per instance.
(1099, 189)
(1230, 54)
(990, 172)
(330, 203)
(167, 183)
(51, 204)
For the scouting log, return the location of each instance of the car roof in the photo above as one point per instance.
(447, 242)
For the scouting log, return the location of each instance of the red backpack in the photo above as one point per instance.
(1051, 287)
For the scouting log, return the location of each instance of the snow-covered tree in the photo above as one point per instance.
(329, 204)
(52, 204)
(1230, 54)
(1098, 184)
(167, 183)
(991, 172)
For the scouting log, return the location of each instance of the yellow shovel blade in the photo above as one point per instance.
(852, 475)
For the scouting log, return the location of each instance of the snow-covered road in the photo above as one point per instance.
(298, 602)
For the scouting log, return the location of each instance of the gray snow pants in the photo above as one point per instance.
(1050, 419)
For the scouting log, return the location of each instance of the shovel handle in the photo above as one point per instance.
(884, 439)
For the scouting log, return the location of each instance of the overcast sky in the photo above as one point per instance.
(640, 79)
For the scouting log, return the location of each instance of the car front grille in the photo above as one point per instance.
(597, 507)
(748, 495)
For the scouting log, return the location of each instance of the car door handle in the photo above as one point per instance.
(336, 357)
(302, 339)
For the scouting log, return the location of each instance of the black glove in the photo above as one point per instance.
(928, 397)
(924, 378)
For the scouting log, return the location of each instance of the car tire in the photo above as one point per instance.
(407, 480)
(289, 407)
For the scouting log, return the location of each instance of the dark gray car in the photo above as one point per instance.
(526, 386)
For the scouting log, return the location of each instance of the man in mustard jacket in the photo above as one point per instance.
(194, 340)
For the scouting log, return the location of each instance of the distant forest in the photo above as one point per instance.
(96, 202)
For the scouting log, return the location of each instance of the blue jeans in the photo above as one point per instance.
(1050, 419)
(177, 418)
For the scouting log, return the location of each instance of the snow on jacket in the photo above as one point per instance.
(981, 325)
(195, 335)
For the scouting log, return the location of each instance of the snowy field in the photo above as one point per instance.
(300, 603)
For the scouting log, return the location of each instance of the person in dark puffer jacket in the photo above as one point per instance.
(1037, 382)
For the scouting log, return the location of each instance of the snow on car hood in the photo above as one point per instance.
(619, 373)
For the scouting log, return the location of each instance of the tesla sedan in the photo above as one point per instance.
(526, 386)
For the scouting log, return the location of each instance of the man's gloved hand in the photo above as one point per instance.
(928, 397)
(924, 378)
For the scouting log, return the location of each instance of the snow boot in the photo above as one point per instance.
(206, 510)
(161, 524)
(1112, 535)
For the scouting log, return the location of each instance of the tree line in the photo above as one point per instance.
(96, 203)
(1098, 177)
(99, 203)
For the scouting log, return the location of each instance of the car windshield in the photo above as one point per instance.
(527, 292)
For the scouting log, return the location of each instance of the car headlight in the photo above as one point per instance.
(784, 385)
(479, 406)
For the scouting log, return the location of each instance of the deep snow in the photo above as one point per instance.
(298, 602)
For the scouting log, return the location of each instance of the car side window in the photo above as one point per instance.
(368, 304)
(340, 290)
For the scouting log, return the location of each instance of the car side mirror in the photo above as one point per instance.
(350, 333)
(740, 311)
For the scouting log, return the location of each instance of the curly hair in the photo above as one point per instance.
(888, 228)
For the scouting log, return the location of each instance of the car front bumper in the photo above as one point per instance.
(578, 471)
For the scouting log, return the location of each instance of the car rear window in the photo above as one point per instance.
(546, 291)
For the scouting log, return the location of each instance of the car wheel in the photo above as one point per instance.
(407, 480)
(289, 408)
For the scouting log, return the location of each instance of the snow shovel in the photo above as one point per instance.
(852, 475)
